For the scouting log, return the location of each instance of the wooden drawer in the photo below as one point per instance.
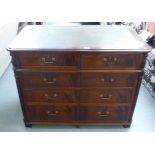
(108, 79)
(50, 79)
(51, 113)
(103, 114)
(105, 96)
(48, 96)
(111, 61)
(44, 59)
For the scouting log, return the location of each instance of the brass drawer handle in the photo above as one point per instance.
(49, 97)
(48, 112)
(111, 80)
(115, 59)
(48, 60)
(103, 114)
(50, 82)
(105, 59)
(110, 60)
(102, 79)
(105, 98)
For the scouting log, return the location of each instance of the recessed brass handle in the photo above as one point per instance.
(48, 60)
(105, 98)
(50, 82)
(49, 97)
(103, 114)
(48, 112)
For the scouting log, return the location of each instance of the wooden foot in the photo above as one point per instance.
(126, 126)
(28, 125)
(77, 126)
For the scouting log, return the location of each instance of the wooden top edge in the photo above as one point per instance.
(78, 38)
(79, 50)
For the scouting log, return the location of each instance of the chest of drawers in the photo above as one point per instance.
(78, 74)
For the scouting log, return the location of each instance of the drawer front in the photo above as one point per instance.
(49, 96)
(103, 114)
(111, 61)
(51, 113)
(108, 79)
(47, 60)
(105, 96)
(50, 79)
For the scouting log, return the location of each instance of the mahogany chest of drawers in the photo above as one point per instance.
(78, 74)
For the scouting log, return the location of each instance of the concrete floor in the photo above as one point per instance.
(11, 119)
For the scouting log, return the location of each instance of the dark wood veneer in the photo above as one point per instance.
(104, 114)
(105, 96)
(50, 96)
(51, 79)
(93, 79)
(111, 61)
